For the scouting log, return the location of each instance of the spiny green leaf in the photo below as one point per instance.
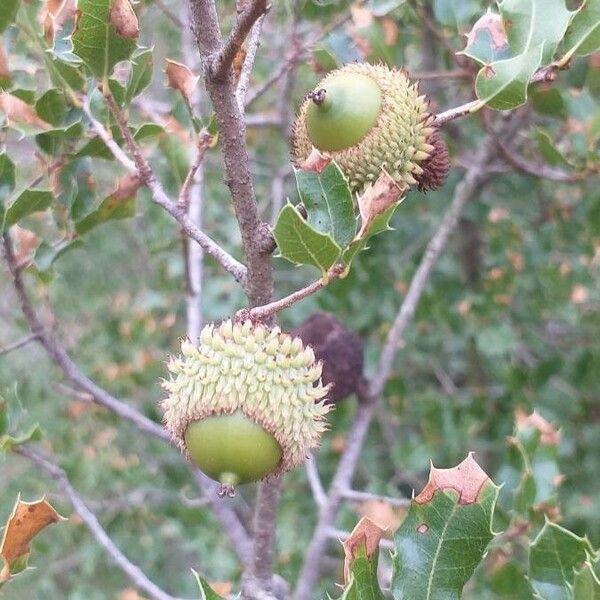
(445, 534)
(328, 202)
(587, 584)
(27, 203)
(531, 23)
(97, 41)
(302, 244)
(583, 34)
(206, 592)
(554, 556)
(503, 84)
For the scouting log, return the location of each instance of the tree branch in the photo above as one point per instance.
(135, 574)
(19, 344)
(244, 80)
(142, 169)
(342, 481)
(219, 66)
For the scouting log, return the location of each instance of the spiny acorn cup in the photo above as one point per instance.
(370, 118)
(245, 404)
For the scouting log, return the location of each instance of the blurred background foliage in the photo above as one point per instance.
(510, 319)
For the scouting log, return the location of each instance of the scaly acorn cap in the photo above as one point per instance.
(399, 139)
(266, 374)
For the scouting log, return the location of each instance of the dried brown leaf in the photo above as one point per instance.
(19, 111)
(549, 435)
(381, 513)
(25, 522)
(315, 161)
(124, 20)
(4, 68)
(54, 14)
(377, 198)
(466, 479)
(26, 242)
(127, 187)
(181, 78)
(365, 535)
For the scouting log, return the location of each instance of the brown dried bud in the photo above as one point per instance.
(436, 167)
(339, 349)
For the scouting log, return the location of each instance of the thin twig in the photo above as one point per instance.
(135, 574)
(465, 190)
(457, 112)
(16, 345)
(260, 313)
(312, 474)
(367, 496)
(342, 536)
(221, 64)
(244, 80)
(342, 480)
(204, 140)
(146, 175)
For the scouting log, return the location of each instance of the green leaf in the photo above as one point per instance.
(148, 131)
(96, 40)
(487, 41)
(52, 107)
(532, 23)
(7, 176)
(8, 442)
(453, 13)
(27, 203)
(302, 244)
(549, 151)
(46, 255)
(140, 76)
(583, 34)
(328, 202)
(206, 592)
(363, 584)
(445, 534)
(63, 74)
(3, 416)
(554, 556)
(587, 584)
(111, 209)
(8, 12)
(503, 84)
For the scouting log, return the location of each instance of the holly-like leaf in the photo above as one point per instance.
(206, 592)
(487, 41)
(26, 521)
(301, 243)
(361, 553)
(554, 557)
(445, 533)
(583, 34)
(8, 12)
(119, 205)
(502, 85)
(140, 76)
(328, 202)
(27, 203)
(587, 584)
(532, 23)
(105, 34)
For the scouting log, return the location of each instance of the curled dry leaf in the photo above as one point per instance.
(127, 187)
(382, 513)
(466, 479)
(549, 435)
(377, 198)
(181, 78)
(315, 161)
(54, 14)
(26, 242)
(20, 112)
(25, 522)
(365, 535)
(124, 20)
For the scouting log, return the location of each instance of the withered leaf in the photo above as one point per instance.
(127, 187)
(54, 14)
(377, 198)
(25, 522)
(315, 161)
(549, 435)
(365, 535)
(19, 111)
(181, 78)
(123, 18)
(466, 479)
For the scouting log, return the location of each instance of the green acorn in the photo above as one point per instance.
(245, 404)
(370, 118)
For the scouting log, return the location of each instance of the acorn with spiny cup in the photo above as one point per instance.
(370, 119)
(247, 403)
